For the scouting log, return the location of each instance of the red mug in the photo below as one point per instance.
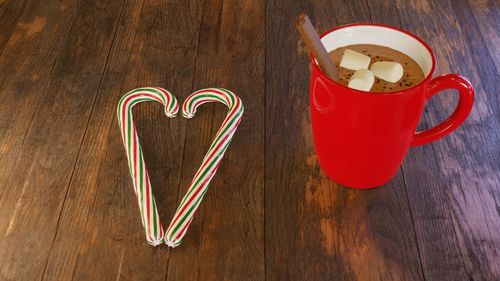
(362, 138)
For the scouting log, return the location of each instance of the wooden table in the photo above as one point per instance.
(67, 208)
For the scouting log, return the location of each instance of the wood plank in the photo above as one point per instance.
(10, 11)
(39, 177)
(23, 78)
(67, 209)
(453, 183)
(25, 67)
(100, 221)
(226, 239)
(316, 229)
(487, 18)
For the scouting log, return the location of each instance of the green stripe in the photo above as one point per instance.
(199, 178)
(228, 125)
(154, 212)
(231, 95)
(203, 95)
(151, 90)
(129, 114)
(128, 142)
(237, 115)
(174, 231)
(128, 148)
(214, 160)
(172, 103)
(140, 181)
(208, 153)
(223, 132)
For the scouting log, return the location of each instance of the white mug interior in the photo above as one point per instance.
(383, 36)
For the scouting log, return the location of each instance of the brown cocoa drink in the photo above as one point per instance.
(412, 74)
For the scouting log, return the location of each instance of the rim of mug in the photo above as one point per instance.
(427, 77)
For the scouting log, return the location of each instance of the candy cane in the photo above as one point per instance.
(199, 185)
(142, 186)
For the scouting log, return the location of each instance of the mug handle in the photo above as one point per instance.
(464, 107)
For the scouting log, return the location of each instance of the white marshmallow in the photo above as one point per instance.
(353, 60)
(361, 80)
(387, 70)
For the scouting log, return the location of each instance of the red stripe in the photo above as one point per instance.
(134, 148)
(224, 94)
(141, 94)
(165, 93)
(227, 134)
(147, 202)
(230, 115)
(134, 158)
(197, 174)
(134, 132)
(210, 156)
(184, 106)
(124, 107)
(190, 97)
(183, 230)
(225, 120)
(181, 233)
(196, 93)
(168, 95)
(190, 200)
(218, 146)
(123, 127)
(200, 102)
(226, 97)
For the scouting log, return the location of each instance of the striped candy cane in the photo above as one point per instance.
(199, 185)
(142, 186)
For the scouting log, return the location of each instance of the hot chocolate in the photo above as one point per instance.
(412, 73)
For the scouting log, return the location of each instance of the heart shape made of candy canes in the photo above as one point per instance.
(184, 214)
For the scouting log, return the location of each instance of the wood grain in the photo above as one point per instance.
(26, 65)
(67, 207)
(486, 20)
(230, 55)
(455, 210)
(40, 174)
(10, 11)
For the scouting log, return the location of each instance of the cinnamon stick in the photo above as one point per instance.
(313, 43)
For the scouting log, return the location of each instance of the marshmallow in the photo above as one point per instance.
(387, 70)
(361, 80)
(353, 60)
